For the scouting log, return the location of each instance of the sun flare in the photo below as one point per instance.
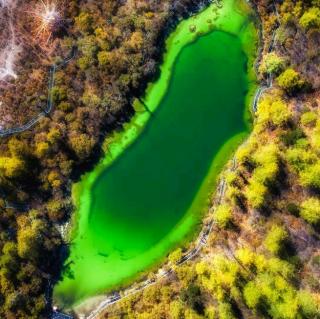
(46, 17)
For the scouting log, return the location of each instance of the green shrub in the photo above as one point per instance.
(223, 215)
(272, 63)
(235, 195)
(276, 239)
(58, 94)
(88, 47)
(290, 81)
(315, 137)
(175, 256)
(256, 194)
(225, 311)
(308, 305)
(291, 137)
(267, 174)
(29, 238)
(252, 295)
(210, 313)
(103, 57)
(12, 167)
(279, 113)
(309, 119)
(244, 153)
(310, 19)
(310, 211)
(300, 159)
(56, 209)
(83, 22)
(231, 178)
(84, 62)
(273, 112)
(176, 310)
(310, 177)
(267, 154)
(65, 107)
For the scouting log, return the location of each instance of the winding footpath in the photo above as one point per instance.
(47, 110)
(269, 83)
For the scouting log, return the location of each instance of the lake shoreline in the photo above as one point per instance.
(104, 163)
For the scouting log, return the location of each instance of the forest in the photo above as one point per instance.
(263, 257)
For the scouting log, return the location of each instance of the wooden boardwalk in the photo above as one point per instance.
(60, 315)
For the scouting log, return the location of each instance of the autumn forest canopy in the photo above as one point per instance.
(88, 62)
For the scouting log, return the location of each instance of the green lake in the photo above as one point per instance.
(149, 194)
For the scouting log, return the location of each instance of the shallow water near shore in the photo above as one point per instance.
(149, 193)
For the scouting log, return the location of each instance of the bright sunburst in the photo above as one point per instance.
(46, 17)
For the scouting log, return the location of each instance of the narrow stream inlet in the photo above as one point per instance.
(149, 199)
